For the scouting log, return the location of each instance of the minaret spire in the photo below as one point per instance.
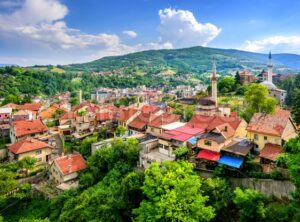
(270, 68)
(214, 78)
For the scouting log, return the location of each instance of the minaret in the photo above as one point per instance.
(214, 78)
(270, 67)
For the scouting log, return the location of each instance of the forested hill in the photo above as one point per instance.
(194, 60)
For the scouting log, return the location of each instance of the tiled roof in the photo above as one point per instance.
(164, 119)
(48, 113)
(124, 114)
(271, 151)
(105, 116)
(22, 113)
(140, 121)
(149, 109)
(27, 127)
(30, 106)
(70, 163)
(27, 145)
(271, 124)
(211, 122)
(182, 133)
(68, 115)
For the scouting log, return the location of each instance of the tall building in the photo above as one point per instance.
(214, 87)
(274, 92)
(209, 105)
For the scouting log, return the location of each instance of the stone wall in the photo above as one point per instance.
(3, 154)
(277, 188)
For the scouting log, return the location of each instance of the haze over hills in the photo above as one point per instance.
(195, 60)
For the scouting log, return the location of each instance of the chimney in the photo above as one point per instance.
(225, 129)
(69, 168)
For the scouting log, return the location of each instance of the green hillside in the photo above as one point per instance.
(196, 60)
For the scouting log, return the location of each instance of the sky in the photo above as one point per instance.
(72, 31)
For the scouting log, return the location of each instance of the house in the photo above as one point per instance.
(35, 108)
(155, 126)
(171, 139)
(210, 122)
(84, 123)
(65, 169)
(126, 115)
(26, 128)
(105, 118)
(5, 115)
(48, 114)
(32, 148)
(4, 130)
(269, 153)
(276, 128)
(139, 123)
(23, 115)
(246, 77)
(66, 123)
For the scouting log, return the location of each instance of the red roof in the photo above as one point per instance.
(27, 127)
(182, 133)
(140, 121)
(208, 155)
(105, 116)
(271, 124)
(149, 109)
(211, 122)
(68, 115)
(271, 151)
(164, 119)
(30, 106)
(27, 145)
(70, 163)
(124, 114)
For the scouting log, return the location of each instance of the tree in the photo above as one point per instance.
(74, 101)
(120, 131)
(257, 100)
(251, 204)
(173, 193)
(226, 84)
(181, 152)
(237, 78)
(27, 163)
(7, 181)
(296, 106)
(86, 145)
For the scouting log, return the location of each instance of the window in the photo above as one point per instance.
(207, 143)
(255, 136)
(265, 138)
(38, 152)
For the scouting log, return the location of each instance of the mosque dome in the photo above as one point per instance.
(269, 85)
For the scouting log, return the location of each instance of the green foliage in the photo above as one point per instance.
(27, 162)
(186, 111)
(251, 205)
(85, 146)
(226, 84)
(120, 131)
(34, 220)
(257, 101)
(7, 181)
(173, 193)
(296, 105)
(74, 101)
(181, 152)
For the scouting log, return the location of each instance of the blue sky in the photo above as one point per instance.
(70, 31)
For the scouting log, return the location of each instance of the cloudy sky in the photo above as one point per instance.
(71, 31)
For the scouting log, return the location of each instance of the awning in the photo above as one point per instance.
(231, 161)
(208, 155)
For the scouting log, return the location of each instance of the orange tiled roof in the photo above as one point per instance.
(140, 121)
(164, 119)
(27, 127)
(271, 151)
(124, 114)
(149, 109)
(27, 145)
(70, 163)
(30, 106)
(22, 112)
(104, 116)
(211, 122)
(271, 124)
(48, 113)
(68, 115)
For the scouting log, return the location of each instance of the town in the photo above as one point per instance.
(46, 132)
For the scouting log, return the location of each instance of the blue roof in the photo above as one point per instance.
(235, 162)
(193, 140)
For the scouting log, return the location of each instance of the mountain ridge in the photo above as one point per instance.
(191, 60)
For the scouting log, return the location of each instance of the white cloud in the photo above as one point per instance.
(129, 33)
(278, 43)
(182, 29)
